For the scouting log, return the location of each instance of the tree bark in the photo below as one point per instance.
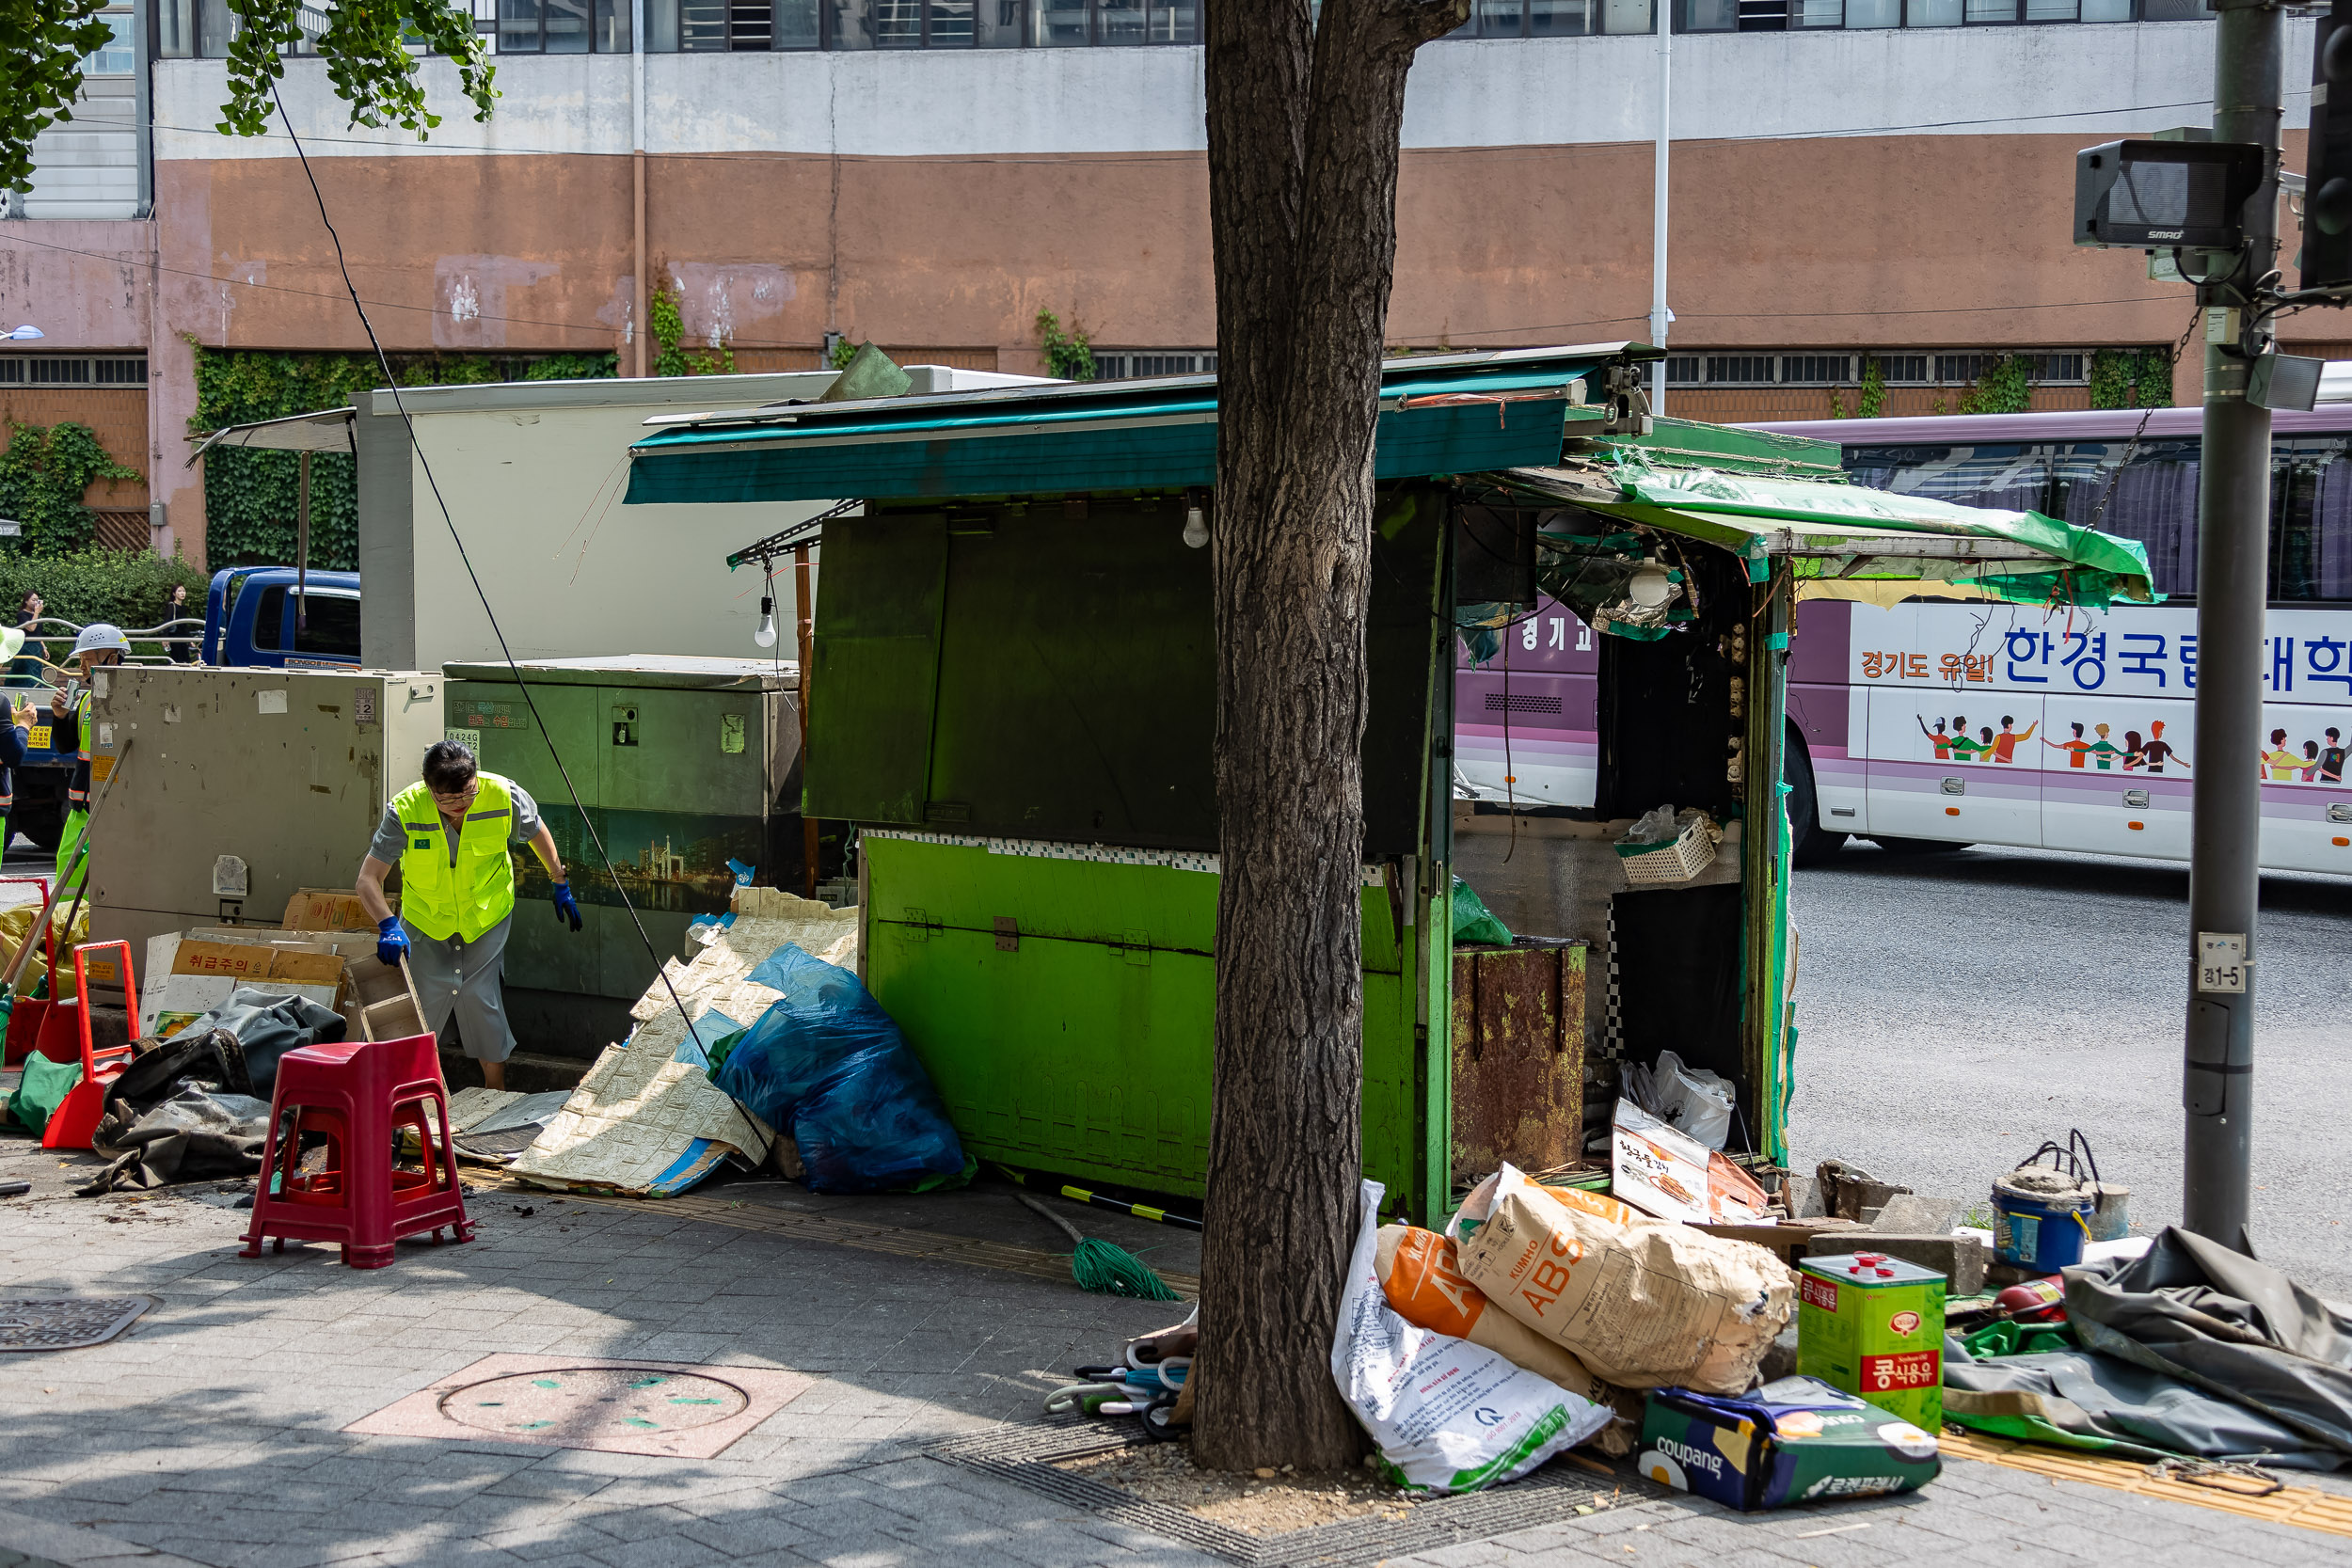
(1303, 135)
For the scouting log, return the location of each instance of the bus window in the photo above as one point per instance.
(333, 631)
(2311, 517)
(2154, 500)
(2006, 476)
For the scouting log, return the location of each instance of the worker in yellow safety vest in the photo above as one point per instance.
(99, 646)
(452, 834)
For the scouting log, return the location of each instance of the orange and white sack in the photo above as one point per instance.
(1643, 1303)
(1448, 1415)
(1424, 1284)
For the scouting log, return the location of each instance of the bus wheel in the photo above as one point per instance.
(1810, 843)
(1918, 846)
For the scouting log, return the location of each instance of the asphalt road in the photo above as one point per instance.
(1954, 1010)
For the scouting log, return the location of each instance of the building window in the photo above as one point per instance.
(563, 27)
(62, 369)
(119, 55)
(1741, 370)
(1132, 364)
(1684, 370)
(1749, 16)
(1902, 370)
(1552, 19)
(1816, 369)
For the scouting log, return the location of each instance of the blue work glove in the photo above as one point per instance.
(391, 942)
(566, 907)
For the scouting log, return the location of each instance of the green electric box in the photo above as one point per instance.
(1874, 1325)
(689, 768)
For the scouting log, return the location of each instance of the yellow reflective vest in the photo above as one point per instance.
(468, 899)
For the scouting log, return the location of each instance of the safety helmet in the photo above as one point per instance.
(98, 635)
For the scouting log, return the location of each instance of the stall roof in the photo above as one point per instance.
(327, 430)
(1849, 532)
(1439, 414)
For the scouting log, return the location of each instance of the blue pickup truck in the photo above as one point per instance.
(249, 620)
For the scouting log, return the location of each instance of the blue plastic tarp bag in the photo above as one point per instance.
(827, 1065)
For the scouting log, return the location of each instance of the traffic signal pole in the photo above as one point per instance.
(2232, 560)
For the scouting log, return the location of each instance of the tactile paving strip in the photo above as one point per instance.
(1028, 1458)
(2306, 1507)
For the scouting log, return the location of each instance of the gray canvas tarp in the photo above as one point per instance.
(2194, 1310)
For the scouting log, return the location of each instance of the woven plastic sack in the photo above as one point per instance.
(829, 1065)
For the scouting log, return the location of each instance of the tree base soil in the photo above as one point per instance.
(1265, 1502)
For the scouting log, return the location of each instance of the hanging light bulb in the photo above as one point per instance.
(766, 635)
(1196, 528)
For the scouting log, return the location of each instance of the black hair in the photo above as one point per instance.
(448, 766)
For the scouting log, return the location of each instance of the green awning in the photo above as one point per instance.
(1439, 415)
(1855, 534)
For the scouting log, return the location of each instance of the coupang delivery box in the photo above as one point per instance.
(1796, 1440)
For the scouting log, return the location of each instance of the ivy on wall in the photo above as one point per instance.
(42, 474)
(1068, 355)
(253, 498)
(2131, 378)
(2005, 387)
(1870, 401)
(669, 334)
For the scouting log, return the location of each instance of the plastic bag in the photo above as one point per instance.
(1694, 1101)
(827, 1065)
(1472, 921)
(1448, 1415)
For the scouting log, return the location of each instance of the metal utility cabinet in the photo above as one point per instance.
(276, 778)
(684, 765)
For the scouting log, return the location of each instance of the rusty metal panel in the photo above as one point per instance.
(1518, 1057)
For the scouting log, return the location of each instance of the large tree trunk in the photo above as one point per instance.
(1302, 205)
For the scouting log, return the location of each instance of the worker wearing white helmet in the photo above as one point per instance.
(98, 646)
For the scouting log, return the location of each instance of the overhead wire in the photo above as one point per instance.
(466, 559)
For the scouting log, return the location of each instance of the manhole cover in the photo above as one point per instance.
(67, 1324)
(585, 1403)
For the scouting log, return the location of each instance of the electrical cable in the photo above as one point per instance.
(505, 653)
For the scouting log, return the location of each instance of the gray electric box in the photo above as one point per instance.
(690, 769)
(242, 787)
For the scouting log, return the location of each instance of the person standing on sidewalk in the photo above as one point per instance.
(100, 646)
(451, 834)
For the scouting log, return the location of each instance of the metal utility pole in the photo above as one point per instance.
(2232, 557)
(1660, 317)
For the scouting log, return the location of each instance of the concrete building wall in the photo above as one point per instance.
(1831, 190)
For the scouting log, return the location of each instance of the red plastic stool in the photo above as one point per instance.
(73, 1122)
(25, 1017)
(359, 1096)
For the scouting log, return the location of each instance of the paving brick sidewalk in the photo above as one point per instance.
(211, 1433)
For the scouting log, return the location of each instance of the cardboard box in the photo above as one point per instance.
(1874, 1325)
(326, 908)
(383, 1004)
(202, 973)
(1792, 1441)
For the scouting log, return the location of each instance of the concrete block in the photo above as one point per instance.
(1919, 1215)
(1961, 1260)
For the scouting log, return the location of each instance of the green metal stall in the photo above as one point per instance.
(1012, 700)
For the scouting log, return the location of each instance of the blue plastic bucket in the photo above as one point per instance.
(2041, 1234)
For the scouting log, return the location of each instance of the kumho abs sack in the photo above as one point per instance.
(1643, 1303)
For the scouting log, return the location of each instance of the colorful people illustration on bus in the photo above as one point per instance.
(2075, 750)
(2005, 745)
(2104, 748)
(2157, 751)
(2133, 753)
(1936, 737)
(2281, 763)
(2331, 757)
